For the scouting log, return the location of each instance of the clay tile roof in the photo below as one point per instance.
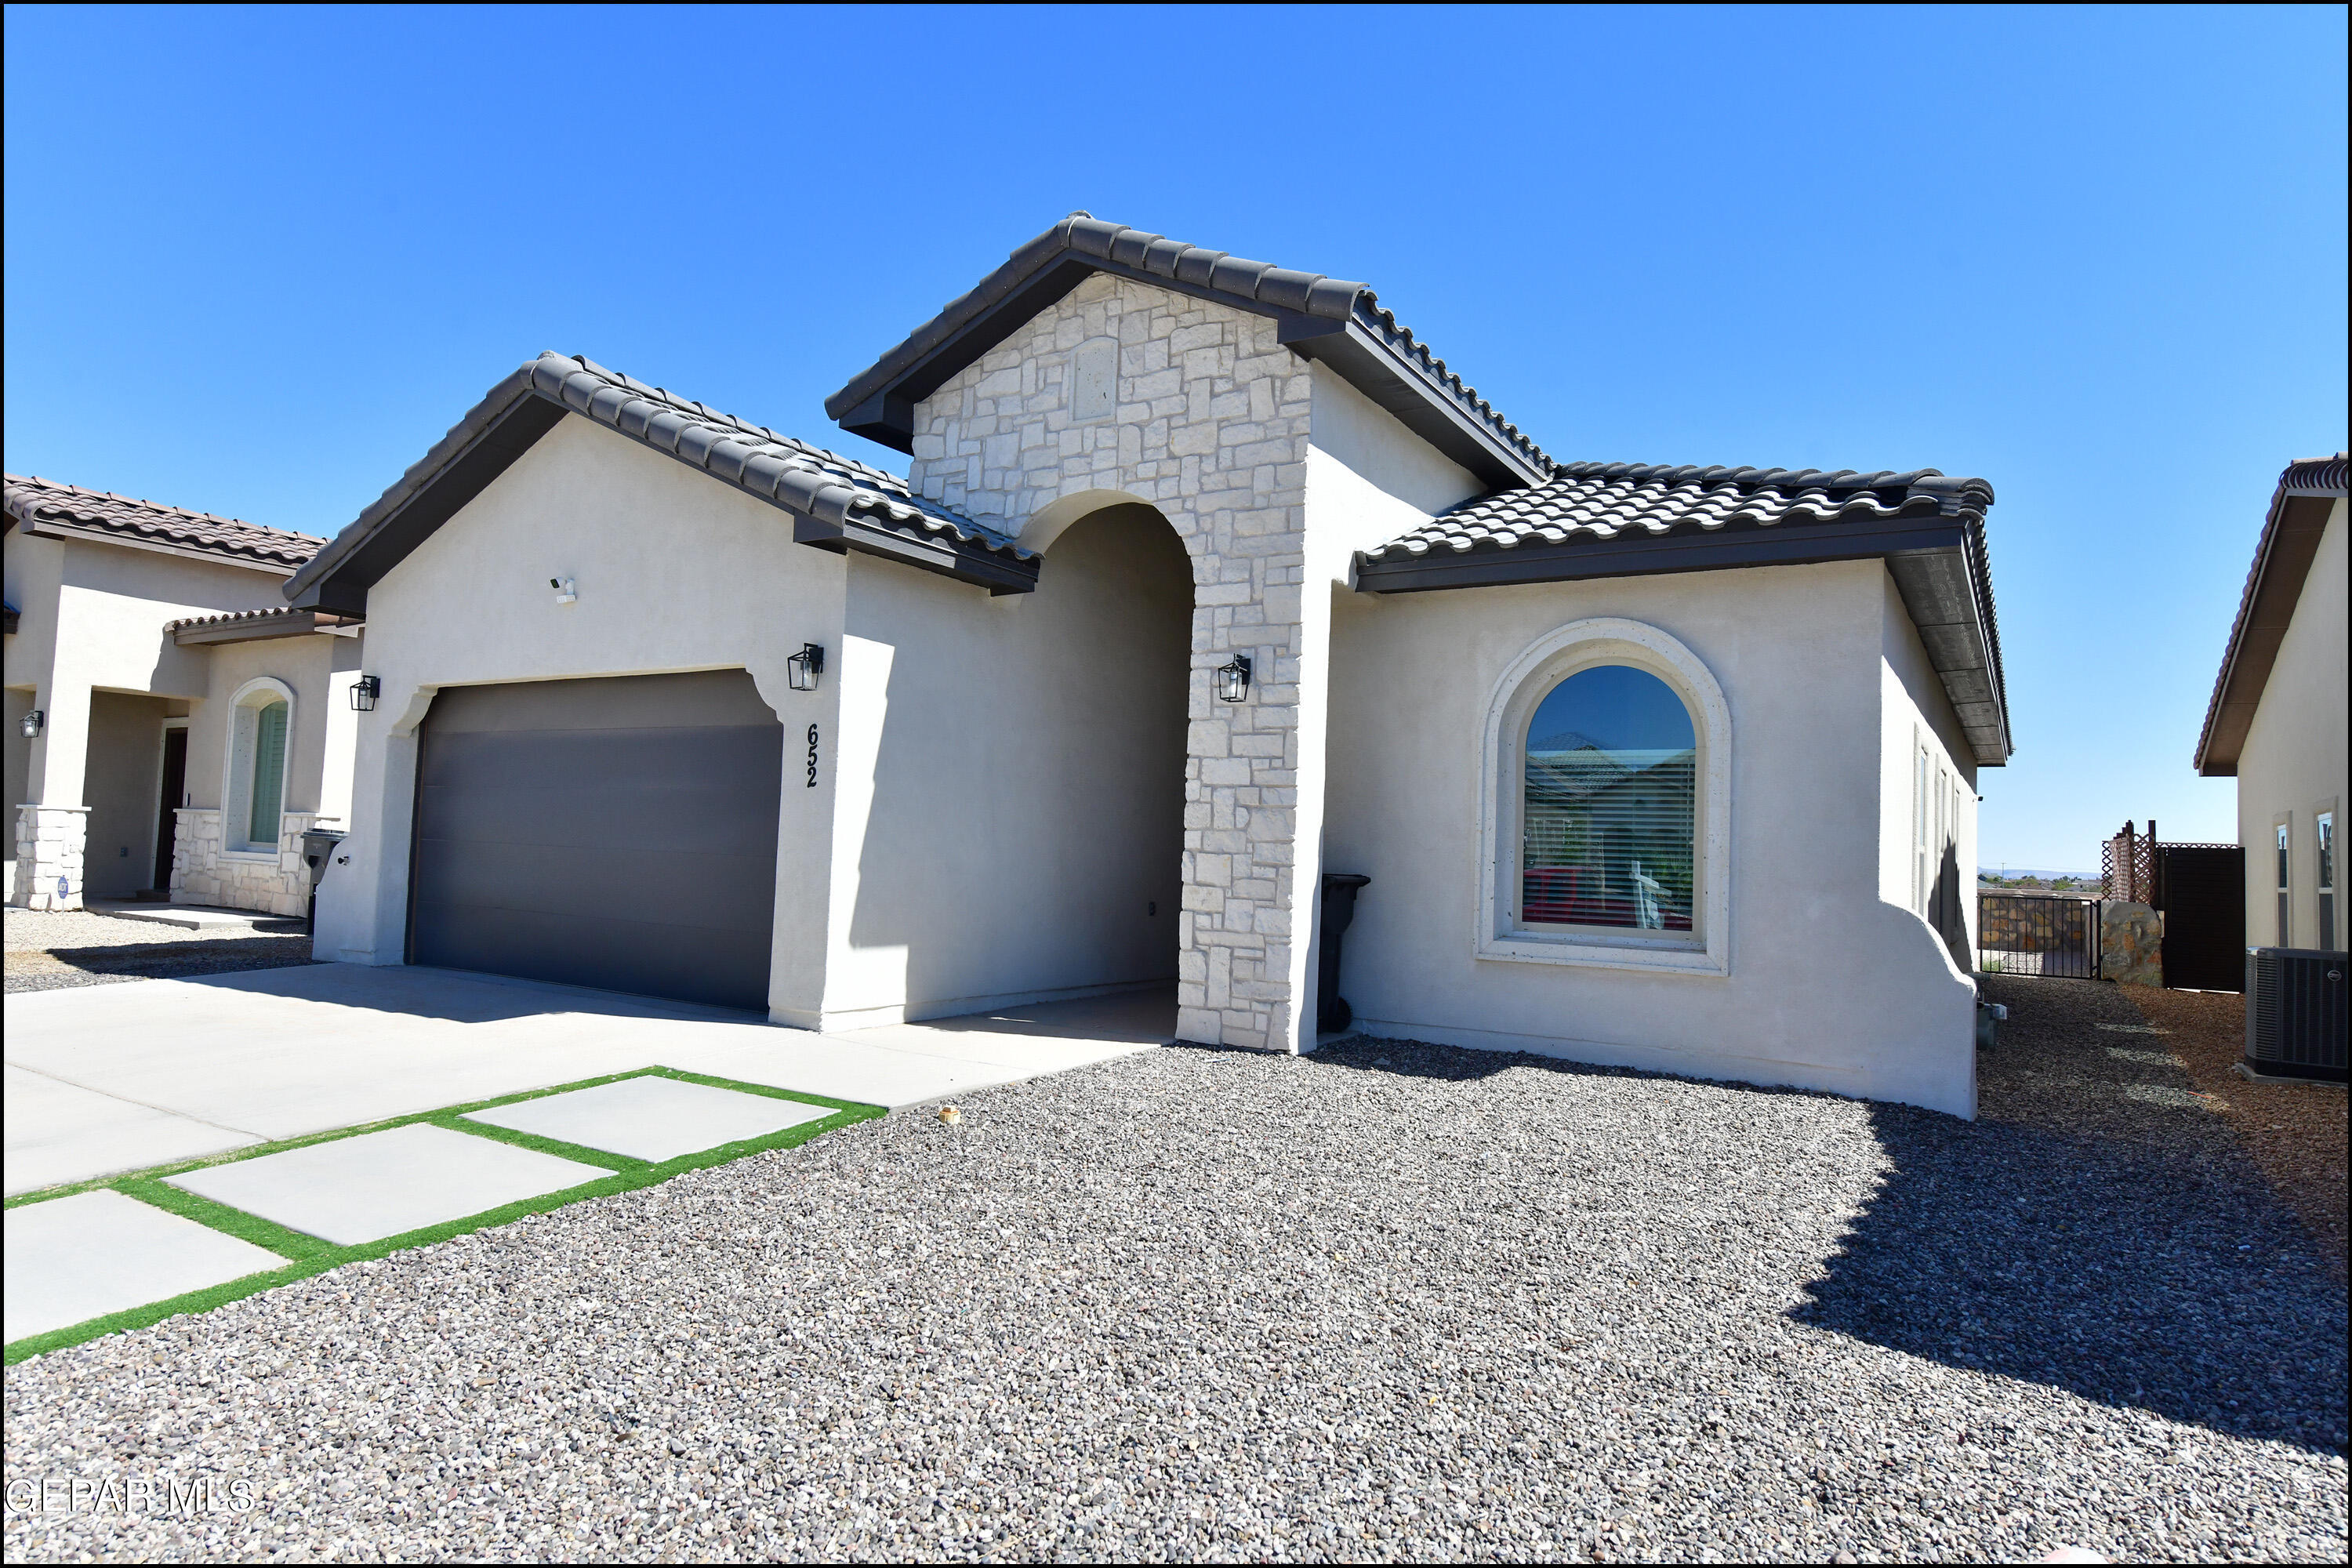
(1250, 284)
(31, 501)
(1603, 500)
(770, 465)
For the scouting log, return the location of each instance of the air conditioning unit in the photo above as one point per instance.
(2297, 1016)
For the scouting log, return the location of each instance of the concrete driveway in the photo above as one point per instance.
(118, 1078)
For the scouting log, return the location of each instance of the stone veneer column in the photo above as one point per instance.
(49, 844)
(1210, 425)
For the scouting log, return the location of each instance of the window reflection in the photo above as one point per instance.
(1609, 812)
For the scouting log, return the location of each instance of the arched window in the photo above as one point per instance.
(261, 725)
(1608, 815)
(1608, 822)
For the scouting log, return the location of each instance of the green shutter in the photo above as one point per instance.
(269, 773)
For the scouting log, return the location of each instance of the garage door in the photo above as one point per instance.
(619, 834)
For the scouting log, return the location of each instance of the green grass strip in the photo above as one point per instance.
(309, 1255)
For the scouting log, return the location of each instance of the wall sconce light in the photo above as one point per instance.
(32, 725)
(805, 666)
(1233, 679)
(565, 592)
(364, 692)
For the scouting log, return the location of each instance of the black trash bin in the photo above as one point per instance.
(1332, 1013)
(318, 849)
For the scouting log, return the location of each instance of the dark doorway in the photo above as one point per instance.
(167, 816)
(2201, 888)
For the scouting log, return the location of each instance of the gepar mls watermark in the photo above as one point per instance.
(129, 1495)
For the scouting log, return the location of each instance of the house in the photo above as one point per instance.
(1207, 578)
(172, 725)
(2276, 722)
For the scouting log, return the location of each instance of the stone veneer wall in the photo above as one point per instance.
(51, 840)
(1209, 424)
(201, 874)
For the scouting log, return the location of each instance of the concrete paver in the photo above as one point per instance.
(59, 1132)
(75, 1258)
(361, 1189)
(654, 1118)
(282, 1053)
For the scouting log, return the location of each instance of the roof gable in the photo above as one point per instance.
(835, 502)
(1328, 320)
(2307, 494)
(62, 510)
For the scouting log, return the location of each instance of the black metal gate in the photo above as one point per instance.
(2021, 934)
(2201, 888)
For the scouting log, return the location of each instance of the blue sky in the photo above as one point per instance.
(259, 261)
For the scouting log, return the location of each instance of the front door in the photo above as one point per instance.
(167, 817)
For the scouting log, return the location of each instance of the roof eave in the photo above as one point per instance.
(2290, 539)
(495, 432)
(285, 623)
(53, 528)
(1934, 556)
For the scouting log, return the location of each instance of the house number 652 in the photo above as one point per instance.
(812, 757)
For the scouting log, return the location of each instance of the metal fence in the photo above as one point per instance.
(2023, 934)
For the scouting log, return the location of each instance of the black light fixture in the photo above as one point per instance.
(32, 725)
(1233, 679)
(805, 666)
(364, 692)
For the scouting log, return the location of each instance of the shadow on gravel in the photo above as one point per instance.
(210, 954)
(2099, 1229)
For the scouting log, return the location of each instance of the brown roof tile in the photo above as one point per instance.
(32, 500)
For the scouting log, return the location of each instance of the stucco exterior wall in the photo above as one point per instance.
(210, 864)
(1828, 985)
(1012, 780)
(1916, 710)
(92, 619)
(2293, 762)
(675, 573)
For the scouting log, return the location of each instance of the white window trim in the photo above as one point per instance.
(1559, 654)
(234, 844)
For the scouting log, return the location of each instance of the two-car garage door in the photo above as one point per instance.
(616, 832)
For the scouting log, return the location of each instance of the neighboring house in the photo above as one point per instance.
(1207, 579)
(2277, 719)
(172, 725)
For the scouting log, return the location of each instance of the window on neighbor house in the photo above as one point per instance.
(2324, 830)
(2285, 886)
(257, 799)
(1609, 809)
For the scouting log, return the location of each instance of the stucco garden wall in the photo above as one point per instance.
(675, 573)
(2293, 759)
(1828, 985)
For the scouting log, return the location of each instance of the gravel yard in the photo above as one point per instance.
(2294, 1131)
(49, 950)
(1388, 1302)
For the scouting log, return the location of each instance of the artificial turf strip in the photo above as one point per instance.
(309, 1255)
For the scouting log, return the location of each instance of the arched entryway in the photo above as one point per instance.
(1115, 603)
